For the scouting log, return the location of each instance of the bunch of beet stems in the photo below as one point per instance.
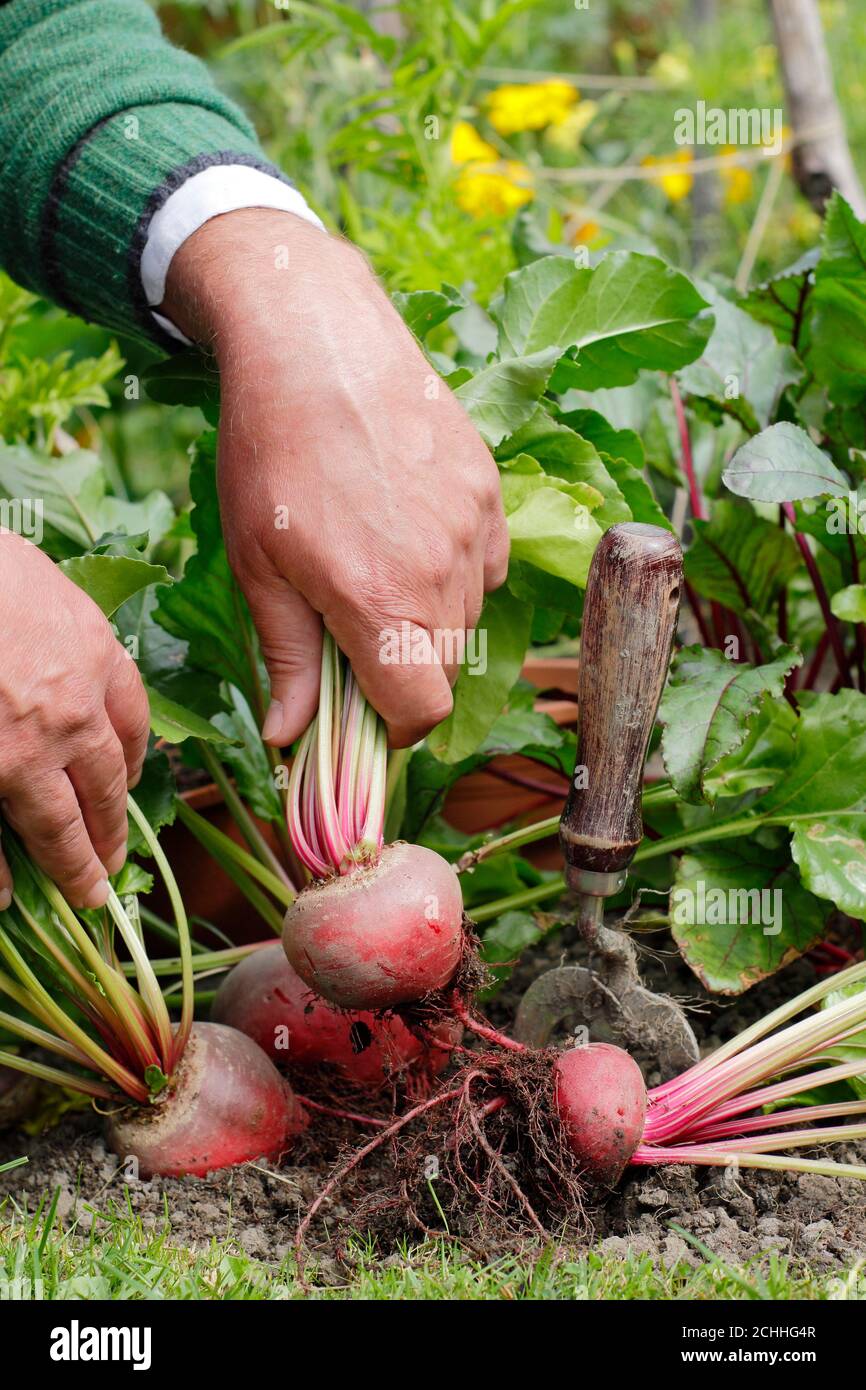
(714, 1113)
(708, 1114)
(336, 800)
(337, 787)
(131, 1047)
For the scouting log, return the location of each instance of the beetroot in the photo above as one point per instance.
(178, 1097)
(380, 925)
(601, 1100)
(228, 1104)
(383, 934)
(265, 998)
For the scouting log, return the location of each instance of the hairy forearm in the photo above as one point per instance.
(354, 490)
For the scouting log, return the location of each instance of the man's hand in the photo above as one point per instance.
(73, 726)
(353, 487)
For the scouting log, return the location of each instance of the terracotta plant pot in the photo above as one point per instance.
(514, 789)
(208, 892)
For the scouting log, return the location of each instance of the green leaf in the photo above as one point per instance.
(490, 879)
(155, 1080)
(535, 735)
(67, 489)
(551, 531)
(849, 604)
(783, 302)
(247, 759)
(528, 240)
(424, 310)
(607, 439)
(707, 708)
(628, 313)
(763, 757)
(831, 855)
(518, 730)
(172, 721)
(546, 593)
(475, 332)
(520, 477)
(827, 774)
(162, 658)
(112, 579)
(624, 407)
(743, 370)
(205, 607)
(637, 492)
(506, 939)
(832, 522)
(153, 515)
(428, 781)
(480, 698)
(739, 559)
(821, 797)
(781, 464)
(155, 797)
(186, 378)
(501, 397)
(739, 913)
(36, 904)
(839, 306)
(564, 454)
(853, 1049)
(36, 389)
(69, 495)
(132, 879)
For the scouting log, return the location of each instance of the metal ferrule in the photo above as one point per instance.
(593, 884)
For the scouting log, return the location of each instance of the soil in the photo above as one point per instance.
(816, 1221)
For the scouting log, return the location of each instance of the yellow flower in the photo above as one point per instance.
(671, 70)
(491, 193)
(585, 234)
(531, 106)
(487, 186)
(467, 145)
(676, 186)
(737, 180)
(566, 136)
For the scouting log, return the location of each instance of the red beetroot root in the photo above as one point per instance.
(266, 999)
(228, 1105)
(381, 935)
(602, 1101)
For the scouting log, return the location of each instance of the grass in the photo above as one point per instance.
(119, 1259)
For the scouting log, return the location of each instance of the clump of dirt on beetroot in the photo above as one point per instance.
(470, 977)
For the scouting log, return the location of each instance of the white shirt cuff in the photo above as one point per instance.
(219, 188)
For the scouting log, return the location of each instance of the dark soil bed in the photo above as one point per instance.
(817, 1221)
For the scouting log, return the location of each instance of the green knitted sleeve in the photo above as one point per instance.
(101, 119)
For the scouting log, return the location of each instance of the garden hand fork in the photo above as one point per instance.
(629, 618)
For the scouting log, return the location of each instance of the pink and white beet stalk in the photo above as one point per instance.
(380, 925)
(714, 1112)
(337, 786)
